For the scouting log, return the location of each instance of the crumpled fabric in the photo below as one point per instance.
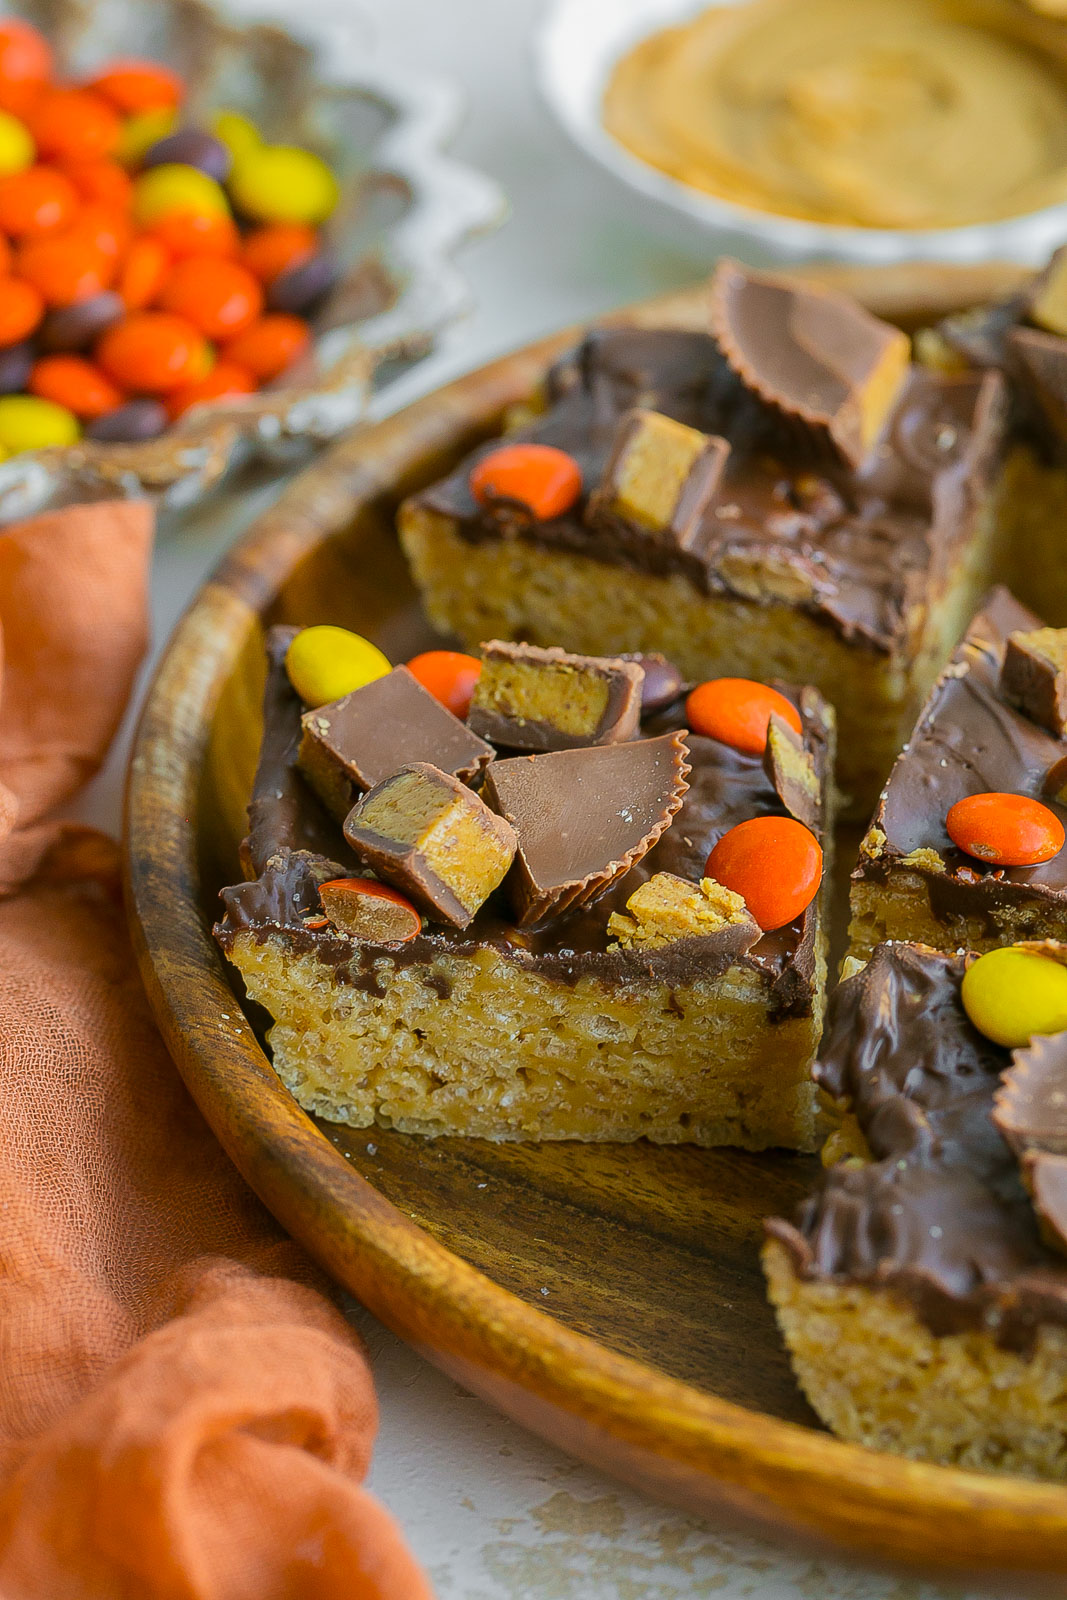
(184, 1414)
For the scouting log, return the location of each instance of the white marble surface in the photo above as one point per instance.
(493, 1513)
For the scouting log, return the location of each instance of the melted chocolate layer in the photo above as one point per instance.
(939, 1215)
(726, 787)
(970, 741)
(872, 544)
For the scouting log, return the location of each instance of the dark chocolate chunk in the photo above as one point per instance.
(353, 744)
(1034, 676)
(433, 838)
(192, 147)
(532, 699)
(815, 356)
(132, 423)
(584, 817)
(660, 478)
(75, 327)
(792, 771)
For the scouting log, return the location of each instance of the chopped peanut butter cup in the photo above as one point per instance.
(817, 357)
(584, 817)
(660, 477)
(424, 831)
(532, 699)
(1034, 676)
(352, 744)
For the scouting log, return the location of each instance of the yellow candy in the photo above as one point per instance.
(237, 132)
(325, 663)
(27, 423)
(141, 131)
(1011, 994)
(281, 183)
(17, 149)
(175, 187)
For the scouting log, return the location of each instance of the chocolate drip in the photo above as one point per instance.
(940, 1214)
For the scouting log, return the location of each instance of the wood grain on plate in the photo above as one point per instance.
(608, 1297)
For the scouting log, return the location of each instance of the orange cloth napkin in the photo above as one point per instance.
(183, 1414)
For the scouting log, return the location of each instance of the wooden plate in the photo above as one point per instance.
(609, 1297)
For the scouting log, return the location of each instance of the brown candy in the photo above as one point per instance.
(792, 771)
(354, 743)
(815, 356)
(433, 838)
(660, 478)
(1047, 302)
(370, 912)
(662, 683)
(584, 817)
(533, 699)
(1034, 676)
(666, 908)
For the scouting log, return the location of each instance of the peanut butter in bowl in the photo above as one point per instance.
(909, 114)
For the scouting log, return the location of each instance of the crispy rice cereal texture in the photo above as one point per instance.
(877, 1376)
(508, 588)
(676, 1064)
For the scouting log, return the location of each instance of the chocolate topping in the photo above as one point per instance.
(968, 740)
(1034, 677)
(939, 1215)
(585, 817)
(863, 551)
(532, 699)
(815, 356)
(352, 744)
(428, 834)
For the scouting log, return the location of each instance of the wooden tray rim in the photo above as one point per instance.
(689, 1446)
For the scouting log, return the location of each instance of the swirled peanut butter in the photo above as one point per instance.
(878, 113)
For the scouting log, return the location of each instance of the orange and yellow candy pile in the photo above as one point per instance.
(146, 264)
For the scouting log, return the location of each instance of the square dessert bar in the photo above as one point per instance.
(529, 949)
(994, 724)
(782, 496)
(922, 1289)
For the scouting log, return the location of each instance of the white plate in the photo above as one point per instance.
(578, 44)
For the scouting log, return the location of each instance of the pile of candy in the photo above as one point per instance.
(128, 291)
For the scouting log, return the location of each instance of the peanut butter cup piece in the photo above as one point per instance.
(1046, 304)
(814, 356)
(351, 744)
(666, 908)
(533, 699)
(1046, 1178)
(1040, 361)
(1034, 676)
(433, 838)
(660, 478)
(791, 769)
(584, 817)
(1030, 1107)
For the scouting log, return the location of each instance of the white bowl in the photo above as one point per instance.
(576, 48)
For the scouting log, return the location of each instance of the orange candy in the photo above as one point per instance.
(224, 379)
(73, 125)
(545, 480)
(7, 256)
(103, 182)
(191, 233)
(65, 268)
(221, 298)
(270, 345)
(1006, 830)
(21, 309)
(25, 64)
(152, 352)
(774, 863)
(103, 227)
(737, 711)
(368, 910)
(36, 201)
(270, 251)
(139, 86)
(449, 676)
(73, 382)
(141, 273)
